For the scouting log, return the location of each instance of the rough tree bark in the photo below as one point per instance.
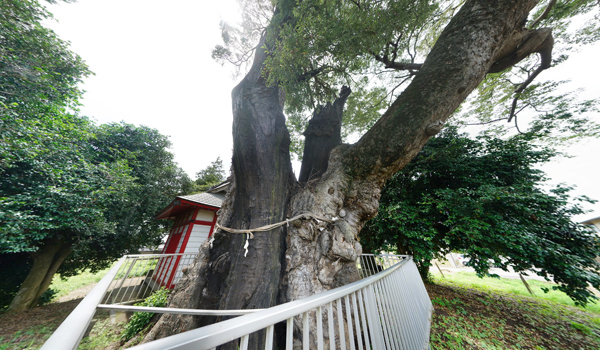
(315, 256)
(323, 133)
(46, 262)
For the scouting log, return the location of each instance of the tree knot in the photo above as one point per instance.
(434, 128)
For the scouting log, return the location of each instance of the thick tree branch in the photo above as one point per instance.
(485, 123)
(312, 73)
(523, 44)
(481, 32)
(391, 64)
(540, 41)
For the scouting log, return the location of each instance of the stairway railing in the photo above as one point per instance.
(388, 309)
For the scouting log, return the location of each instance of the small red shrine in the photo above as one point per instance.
(194, 219)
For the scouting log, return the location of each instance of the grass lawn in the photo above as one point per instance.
(68, 285)
(31, 328)
(490, 313)
(511, 286)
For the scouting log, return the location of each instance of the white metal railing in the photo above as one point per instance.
(370, 264)
(388, 310)
(69, 333)
(140, 275)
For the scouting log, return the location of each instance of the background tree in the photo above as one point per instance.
(84, 206)
(156, 181)
(53, 198)
(308, 50)
(38, 76)
(38, 83)
(484, 197)
(210, 176)
(72, 195)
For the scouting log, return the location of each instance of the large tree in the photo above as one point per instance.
(38, 84)
(53, 196)
(485, 198)
(305, 53)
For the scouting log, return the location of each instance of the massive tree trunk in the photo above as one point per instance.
(46, 262)
(238, 272)
(313, 256)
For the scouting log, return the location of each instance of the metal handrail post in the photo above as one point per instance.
(70, 332)
(119, 289)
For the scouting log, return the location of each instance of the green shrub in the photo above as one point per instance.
(47, 296)
(139, 320)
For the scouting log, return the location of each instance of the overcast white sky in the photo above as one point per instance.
(153, 67)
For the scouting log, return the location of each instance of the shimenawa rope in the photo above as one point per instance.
(272, 226)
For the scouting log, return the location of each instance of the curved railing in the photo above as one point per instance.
(388, 310)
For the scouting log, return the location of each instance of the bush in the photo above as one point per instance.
(140, 320)
(47, 296)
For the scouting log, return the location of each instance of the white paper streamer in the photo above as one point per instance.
(246, 245)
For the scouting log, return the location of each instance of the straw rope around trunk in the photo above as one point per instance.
(250, 235)
(275, 225)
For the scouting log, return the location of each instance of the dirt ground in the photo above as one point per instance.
(50, 316)
(76, 294)
(42, 319)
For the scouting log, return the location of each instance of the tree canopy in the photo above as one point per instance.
(377, 48)
(155, 181)
(95, 198)
(484, 197)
